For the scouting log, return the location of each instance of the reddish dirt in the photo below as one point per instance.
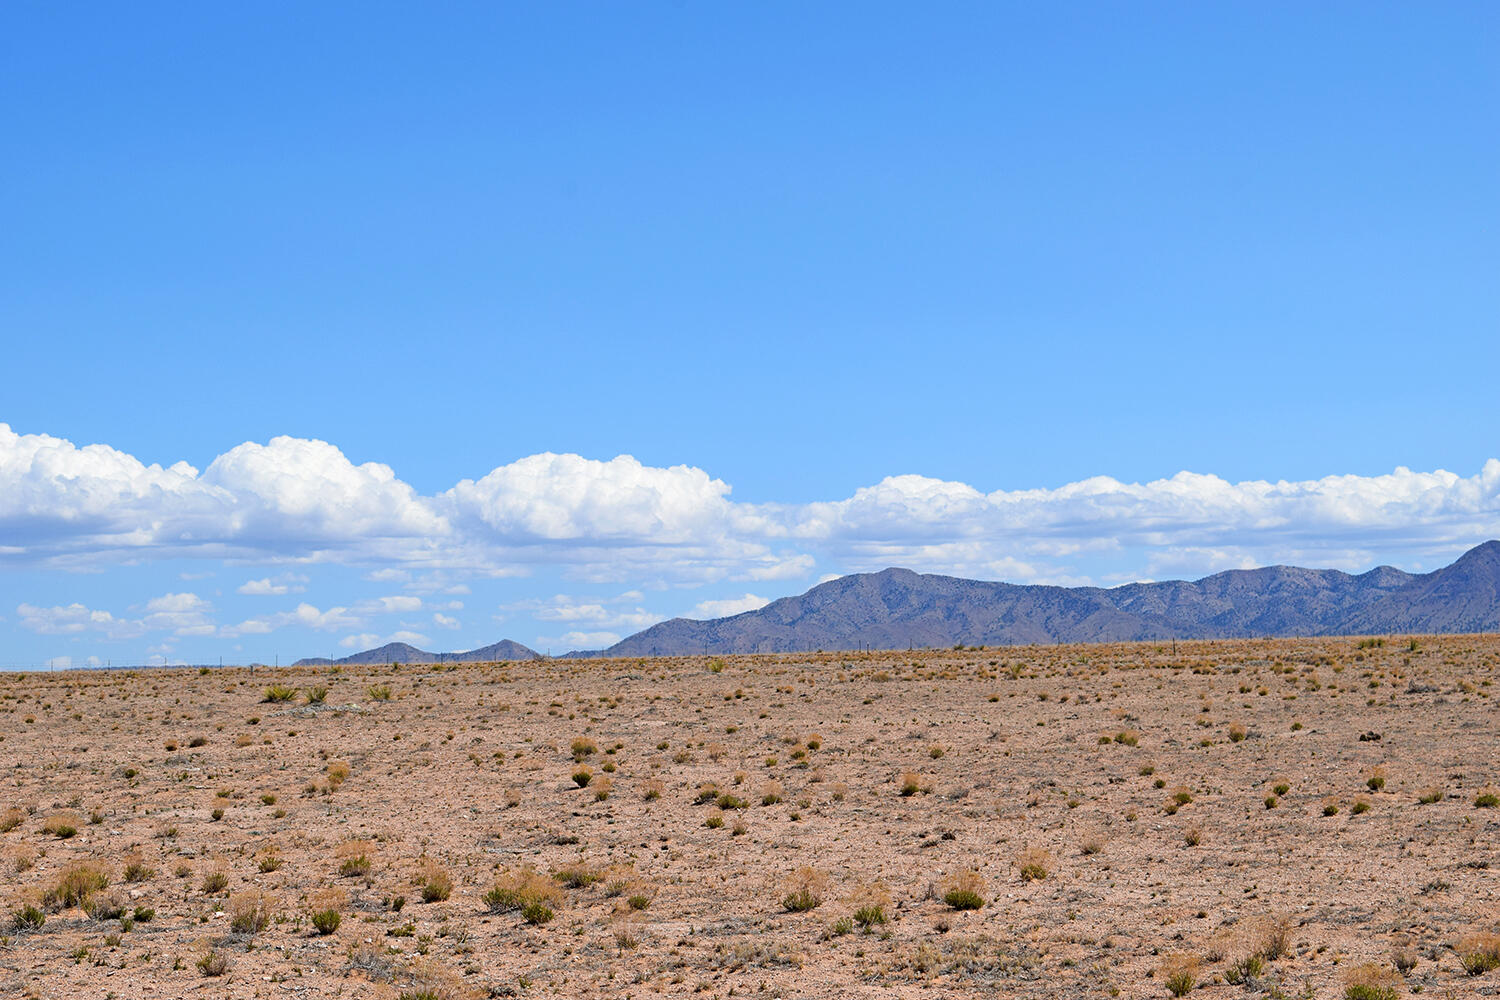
(1065, 758)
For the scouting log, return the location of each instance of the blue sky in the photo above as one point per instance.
(707, 303)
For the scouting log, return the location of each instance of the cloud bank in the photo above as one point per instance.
(294, 501)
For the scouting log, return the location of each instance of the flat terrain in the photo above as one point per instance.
(1246, 816)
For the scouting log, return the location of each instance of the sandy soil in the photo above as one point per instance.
(1040, 779)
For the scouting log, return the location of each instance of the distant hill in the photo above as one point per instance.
(400, 652)
(897, 608)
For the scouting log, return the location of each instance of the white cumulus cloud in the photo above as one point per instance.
(294, 500)
(286, 583)
(727, 606)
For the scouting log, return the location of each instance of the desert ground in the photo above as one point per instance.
(1298, 818)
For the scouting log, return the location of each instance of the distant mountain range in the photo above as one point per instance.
(897, 609)
(400, 652)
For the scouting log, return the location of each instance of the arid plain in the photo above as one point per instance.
(1310, 817)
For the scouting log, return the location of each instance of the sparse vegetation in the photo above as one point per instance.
(671, 868)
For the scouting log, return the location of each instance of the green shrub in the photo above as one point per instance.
(28, 918)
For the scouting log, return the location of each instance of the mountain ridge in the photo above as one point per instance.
(898, 608)
(401, 652)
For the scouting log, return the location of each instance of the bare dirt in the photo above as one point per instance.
(724, 795)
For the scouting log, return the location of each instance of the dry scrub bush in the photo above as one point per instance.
(338, 773)
(869, 902)
(911, 783)
(75, 885)
(1370, 982)
(136, 869)
(62, 825)
(1479, 953)
(355, 858)
(431, 981)
(805, 889)
(104, 905)
(577, 876)
(11, 818)
(965, 891)
(1034, 864)
(249, 912)
(213, 963)
(435, 883)
(1271, 937)
(1179, 973)
(323, 906)
(517, 890)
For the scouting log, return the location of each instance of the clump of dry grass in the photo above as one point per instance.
(1270, 937)
(136, 869)
(1370, 981)
(1034, 864)
(355, 858)
(76, 884)
(432, 981)
(434, 882)
(11, 818)
(577, 876)
(965, 890)
(213, 963)
(249, 912)
(1479, 953)
(910, 783)
(323, 906)
(524, 891)
(62, 825)
(1179, 973)
(804, 890)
